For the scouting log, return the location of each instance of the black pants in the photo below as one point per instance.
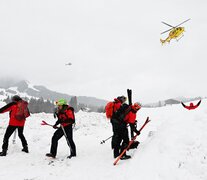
(9, 132)
(58, 134)
(120, 139)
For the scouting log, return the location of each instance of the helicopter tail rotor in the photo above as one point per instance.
(162, 41)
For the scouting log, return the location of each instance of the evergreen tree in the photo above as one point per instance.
(74, 103)
(101, 109)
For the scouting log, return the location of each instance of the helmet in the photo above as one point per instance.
(61, 102)
(137, 106)
(16, 98)
(122, 98)
(191, 104)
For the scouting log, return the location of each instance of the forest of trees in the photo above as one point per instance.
(48, 106)
(37, 105)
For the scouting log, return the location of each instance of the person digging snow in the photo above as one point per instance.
(66, 118)
(18, 112)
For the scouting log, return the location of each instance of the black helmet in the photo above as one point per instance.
(16, 98)
(122, 98)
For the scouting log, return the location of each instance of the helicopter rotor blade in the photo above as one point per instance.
(182, 22)
(167, 24)
(173, 26)
(167, 30)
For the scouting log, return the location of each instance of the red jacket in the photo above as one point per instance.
(131, 116)
(191, 106)
(66, 116)
(12, 109)
(117, 104)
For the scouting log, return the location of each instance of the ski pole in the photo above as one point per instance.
(14, 137)
(66, 138)
(45, 123)
(132, 133)
(103, 141)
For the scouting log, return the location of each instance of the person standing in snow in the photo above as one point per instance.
(66, 118)
(116, 105)
(18, 112)
(124, 116)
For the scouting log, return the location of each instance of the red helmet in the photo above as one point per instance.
(137, 106)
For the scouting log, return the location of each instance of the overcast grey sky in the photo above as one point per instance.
(112, 45)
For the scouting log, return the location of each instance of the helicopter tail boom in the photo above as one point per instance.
(162, 41)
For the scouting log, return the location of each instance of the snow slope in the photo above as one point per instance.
(173, 147)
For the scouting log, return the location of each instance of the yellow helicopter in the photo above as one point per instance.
(175, 32)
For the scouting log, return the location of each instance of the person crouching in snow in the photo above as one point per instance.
(125, 115)
(18, 112)
(66, 118)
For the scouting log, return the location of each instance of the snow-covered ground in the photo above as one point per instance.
(173, 147)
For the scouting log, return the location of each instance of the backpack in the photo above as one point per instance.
(62, 114)
(72, 109)
(22, 110)
(122, 112)
(109, 108)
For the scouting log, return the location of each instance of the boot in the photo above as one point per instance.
(72, 155)
(124, 157)
(134, 145)
(3, 153)
(50, 155)
(25, 149)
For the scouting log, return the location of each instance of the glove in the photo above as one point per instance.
(55, 126)
(137, 132)
(55, 115)
(58, 122)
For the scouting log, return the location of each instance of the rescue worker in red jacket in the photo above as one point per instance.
(191, 106)
(114, 121)
(14, 123)
(66, 118)
(125, 115)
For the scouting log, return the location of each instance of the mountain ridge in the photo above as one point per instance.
(25, 88)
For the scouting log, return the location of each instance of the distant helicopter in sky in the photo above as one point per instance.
(175, 32)
(68, 64)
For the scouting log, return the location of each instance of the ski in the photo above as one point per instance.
(129, 94)
(130, 142)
